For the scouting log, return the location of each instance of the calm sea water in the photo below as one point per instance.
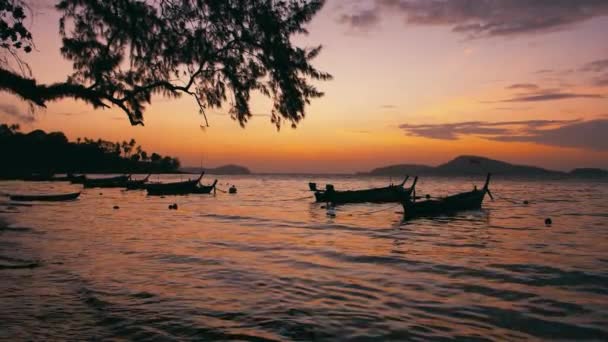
(268, 264)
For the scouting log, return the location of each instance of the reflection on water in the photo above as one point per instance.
(266, 264)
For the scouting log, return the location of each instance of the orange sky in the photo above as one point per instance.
(386, 74)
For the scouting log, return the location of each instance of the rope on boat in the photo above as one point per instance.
(297, 199)
(220, 190)
(510, 200)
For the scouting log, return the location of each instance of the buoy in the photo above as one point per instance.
(116, 207)
(101, 193)
(232, 190)
(173, 206)
(427, 196)
(526, 202)
(548, 221)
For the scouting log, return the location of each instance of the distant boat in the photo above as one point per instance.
(447, 205)
(69, 177)
(392, 193)
(76, 179)
(112, 182)
(38, 177)
(137, 184)
(45, 198)
(175, 188)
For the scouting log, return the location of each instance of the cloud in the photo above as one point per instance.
(513, 108)
(551, 96)
(361, 20)
(587, 134)
(596, 66)
(17, 114)
(601, 81)
(484, 18)
(563, 133)
(525, 86)
(453, 131)
(388, 106)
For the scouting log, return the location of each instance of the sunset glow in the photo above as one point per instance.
(388, 71)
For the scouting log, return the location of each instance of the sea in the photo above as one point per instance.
(269, 264)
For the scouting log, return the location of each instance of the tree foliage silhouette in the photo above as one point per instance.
(124, 51)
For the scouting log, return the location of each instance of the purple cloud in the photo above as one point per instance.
(589, 134)
(484, 18)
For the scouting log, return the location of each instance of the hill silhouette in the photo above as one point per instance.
(229, 169)
(475, 165)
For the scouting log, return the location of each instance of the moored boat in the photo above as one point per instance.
(204, 189)
(137, 184)
(471, 200)
(76, 179)
(392, 193)
(45, 198)
(175, 188)
(38, 177)
(112, 182)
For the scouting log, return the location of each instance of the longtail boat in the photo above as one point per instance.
(176, 188)
(204, 189)
(76, 179)
(388, 194)
(112, 182)
(447, 205)
(66, 178)
(137, 184)
(69, 177)
(38, 177)
(45, 198)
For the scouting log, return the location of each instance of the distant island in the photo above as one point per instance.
(44, 154)
(229, 169)
(474, 165)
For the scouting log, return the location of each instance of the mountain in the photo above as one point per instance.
(589, 173)
(465, 165)
(229, 169)
(471, 165)
(402, 169)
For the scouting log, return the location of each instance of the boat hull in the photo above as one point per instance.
(444, 206)
(114, 182)
(182, 188)
(45, 198)
(379, 195)
(139, 184)
(471, 200)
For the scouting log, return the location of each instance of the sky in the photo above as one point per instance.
(414, 82)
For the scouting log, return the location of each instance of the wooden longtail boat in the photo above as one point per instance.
(38, 177)
(76, 179)
(60, 179)
(388, 194)
(177, 188)
(137, 184)
(69, 177)
(204, 189)
(45, 198)
(112, 182)
(447, 205)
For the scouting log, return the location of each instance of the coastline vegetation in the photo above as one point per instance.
(42, 153)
